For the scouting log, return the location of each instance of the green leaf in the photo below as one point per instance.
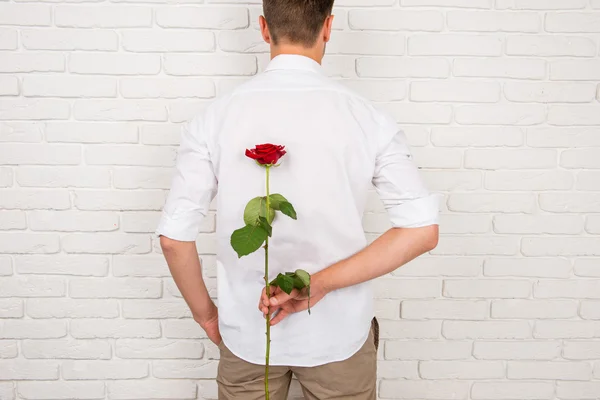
(275, 200)
(262, 221)
(288, 209)
(257, 207)
(285, 283)
(248, 239)
(303, 276)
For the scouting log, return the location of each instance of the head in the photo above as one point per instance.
(297, 26)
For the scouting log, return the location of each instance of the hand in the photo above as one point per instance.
(210, 324)
(291, 303)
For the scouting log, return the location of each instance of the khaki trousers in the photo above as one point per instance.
(351, 379)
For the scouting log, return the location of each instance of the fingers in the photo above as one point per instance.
(279, 317)
(264, 303)
(282, 297)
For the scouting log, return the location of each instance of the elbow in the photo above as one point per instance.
(432, 237)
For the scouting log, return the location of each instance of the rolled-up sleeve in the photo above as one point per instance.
(193, 187)
(397, 181)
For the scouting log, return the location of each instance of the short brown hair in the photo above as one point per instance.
(298, 21)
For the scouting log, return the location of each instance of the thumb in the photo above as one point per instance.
(282, 297)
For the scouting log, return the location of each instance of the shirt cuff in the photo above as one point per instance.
(415, 213)
(184, 228)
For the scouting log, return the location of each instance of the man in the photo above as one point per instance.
(338, 146)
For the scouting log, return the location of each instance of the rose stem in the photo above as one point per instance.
(268, 290)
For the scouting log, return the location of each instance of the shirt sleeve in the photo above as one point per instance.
(193, 187)
(399, 184)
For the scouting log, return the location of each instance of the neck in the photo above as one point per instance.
(314, 52)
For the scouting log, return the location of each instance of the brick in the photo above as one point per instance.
(104, 369)
(580, 158)
(595, 4)
(437, 158)
(397, 370)
(115, 328)
(34, 109)
(402, 389)
(125, 288)
(455, 91)
(561, 246)
(9, 86)
(489, 203)
(548, 92)
(72, 308)
(7, 390)
(92, 132)
(195, 369)
(20, 153)
(453, 180)
(444, 309)
(566, 202)
(202, 17)
(63, 177)
(510, 159)
(32, 287)
(540, 4)
(588, 180)
(573, 22)
(522, 115)
(22, 243)
(427, 350)
(66, 349)
(159, 348)
(163, 389)
(378, 90)
(411, 113)
(512, 390)
(119, 110)
(69, 86)
(6, 177)
(200, 64)
(529, 180)
(500, 68)
(9, 39)
(587, 267)
(476, 245)
(12, 220)
(73, 221)
(464, 224)
(572, 329)
(405, 288)
(367, 43)
(168, 88)
(387, 309)
(517, 350)
(541, 224)
(142, 178)
(92, 200)
(448, 3)
(6, 265)
(31, 329)
(477, 137)
(243, 41)
(581, 350)
(185, 329)
(182, 111)
(441, 266)
(161, 134)
(25, 199)
(563, 137)
(32, 62)
(396, 20)
(21, 131)
(29, 370)
(114, 64)
(461, 370)
(533, 309)
(573, 115)
(487, 288)
(146, 222)
(8, 349)
(131, 155)
(527, 267)
(575, 70)
(454, 44)
(493, 21)
(11, 308)
(104, 16)
(70, 39)
(403, 329)
(155, 309)
(109, 243)
(167, 41)
(550, 46)
(572, 288)
(61, 390)
(25, 14)
(577, 390)
(420, 67)
(590, 309)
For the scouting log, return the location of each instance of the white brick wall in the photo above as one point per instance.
(500, 102)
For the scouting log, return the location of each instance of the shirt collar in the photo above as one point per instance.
(294, 62)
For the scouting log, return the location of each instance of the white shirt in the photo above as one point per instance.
(338, 147)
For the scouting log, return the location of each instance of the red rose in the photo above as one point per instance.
(266, 154)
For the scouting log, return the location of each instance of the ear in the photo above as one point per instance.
(264, 29)
(327, 28)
